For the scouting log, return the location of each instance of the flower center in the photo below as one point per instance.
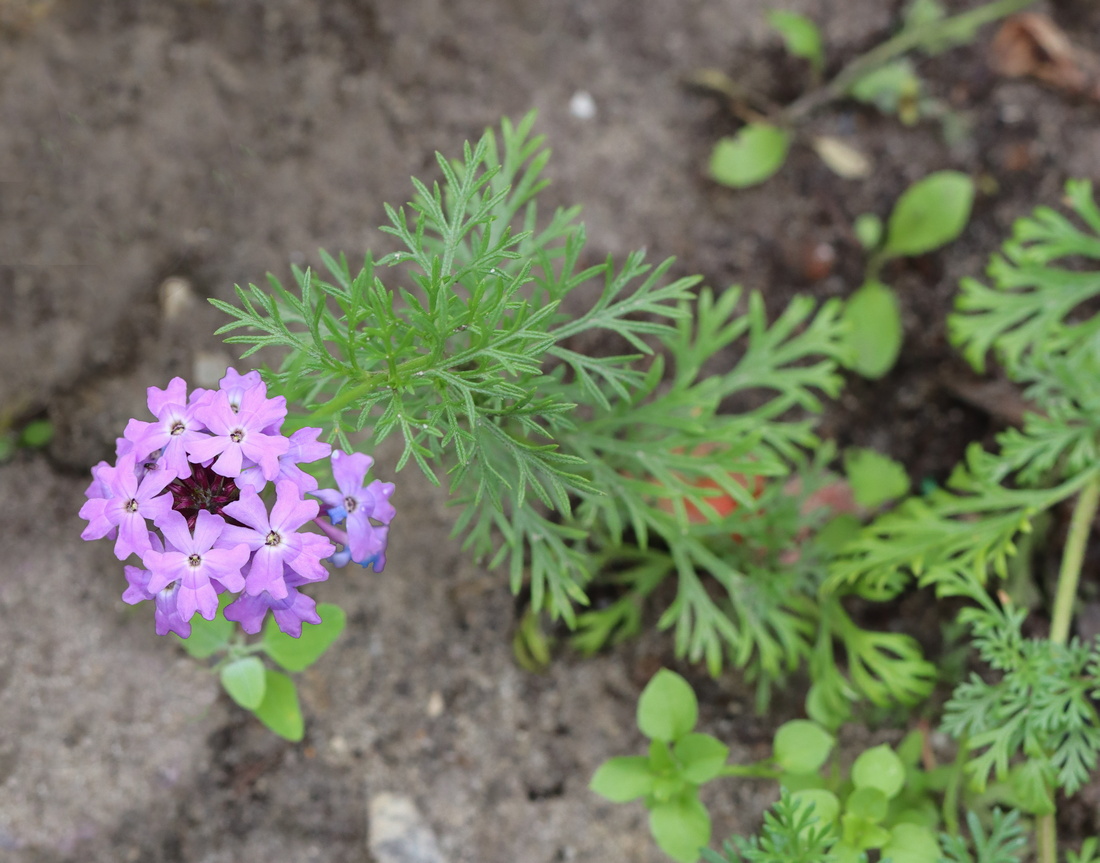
(194, 561)
(131, 505)
(273, 538)
(237, 435)
(178, 428)
(350, 504)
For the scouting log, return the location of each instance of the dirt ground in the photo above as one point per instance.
(214, 140)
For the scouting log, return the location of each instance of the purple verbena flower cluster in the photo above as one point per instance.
(185, 496)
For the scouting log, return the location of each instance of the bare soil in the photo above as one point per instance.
(210, 141)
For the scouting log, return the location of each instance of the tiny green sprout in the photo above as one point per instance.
(802, 38)
(668, 708)
(868, 229)
(751, 156)
(874, 329)
(929, 214)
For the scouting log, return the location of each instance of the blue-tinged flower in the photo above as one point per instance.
(363, 505)
(194, 561)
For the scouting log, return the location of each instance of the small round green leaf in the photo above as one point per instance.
(296, 654)
(623, 779)
(874, 329)
(879, 768)
(862, 833)
(875, 478)
(869, 803)
(279, 710)
(930, 213)
(751, 156)
(910, 843)
(802, 746)
(667, 709)
(36, 434)
(868, 230)
(245, 681)
(701, 757)
(681, 828)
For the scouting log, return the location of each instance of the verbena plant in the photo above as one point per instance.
(625, 466)
(637, 465)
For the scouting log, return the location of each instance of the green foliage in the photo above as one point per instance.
(297, 654)
(875, 332)
(929, 214)
(1004, 842)
(801, 746)
(1040, 711)
(875, 478)
(567, 467)
(792, 833)
(893, 88)
(679, 761)
(245, 681)
(751, 156)
(279, 709)
(802, 37)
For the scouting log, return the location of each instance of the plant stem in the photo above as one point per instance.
(908, 39)
(1084, 511)
(1073, 556)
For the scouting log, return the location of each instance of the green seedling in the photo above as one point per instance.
(929, 214)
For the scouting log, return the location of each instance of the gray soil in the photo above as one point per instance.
(204, 142)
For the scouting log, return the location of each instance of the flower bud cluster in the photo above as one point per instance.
(186, 496)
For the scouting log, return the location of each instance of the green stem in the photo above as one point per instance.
(1073, 556)
(1084, 511)
(906, 40)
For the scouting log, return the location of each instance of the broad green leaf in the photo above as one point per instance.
(910, 843)
(208, 636)
(667, 709)
(879, 768)
(681, 828)
(801, 35)
(802, 746)
(874, 329)
(296, 654)
(279, 710)
(875, 478)
(245, 681)
(930, 213)
(869, 803)
(623, 779)
(751, 156)
(862, 833)
(702, 757)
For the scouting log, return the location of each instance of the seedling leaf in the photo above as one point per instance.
(667, 709)
(751, 156)
(930, 213)
(874, 329)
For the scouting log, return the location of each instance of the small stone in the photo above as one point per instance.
(177, 297)
(582, 105)
(397, 833)
(435, 705)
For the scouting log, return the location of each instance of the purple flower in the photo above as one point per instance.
(239, 434)
(166, 615)
(289, 612)
(127, 504)
(304, 448)
(359, 504)
(193, 561)
(176, 427)
(274, 539)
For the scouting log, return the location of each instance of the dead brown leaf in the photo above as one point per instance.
(1032, 45)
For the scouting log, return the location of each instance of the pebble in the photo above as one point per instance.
(398, 833)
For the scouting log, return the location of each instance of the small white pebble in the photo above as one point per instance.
(176, 297)
(435, 704)
(582, 105)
